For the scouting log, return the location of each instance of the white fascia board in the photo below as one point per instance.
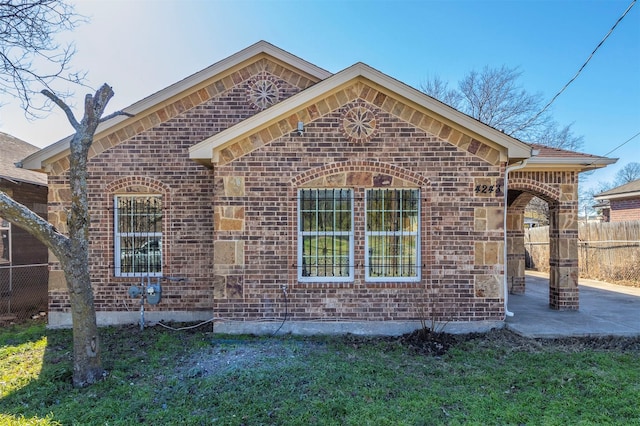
(203, 151)
(36, 160)
(631, 194)
(579, 163)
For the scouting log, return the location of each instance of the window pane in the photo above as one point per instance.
(392, 233)
(139, 235)
(325, 227)
(308, 221)
(140, 255)
(4, 245)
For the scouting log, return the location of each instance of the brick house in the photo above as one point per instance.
(341, 202)
(620, 203)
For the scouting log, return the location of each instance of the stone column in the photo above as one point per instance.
(515, 250)
(563, 250)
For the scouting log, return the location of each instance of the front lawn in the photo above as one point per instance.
(163, 377)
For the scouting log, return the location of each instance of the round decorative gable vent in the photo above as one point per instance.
(359, 123)
(262, 92)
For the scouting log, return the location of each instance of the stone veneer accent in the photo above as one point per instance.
(560, 190)
(150, 155)
(462, 237)
(232, 231)
(213, 90)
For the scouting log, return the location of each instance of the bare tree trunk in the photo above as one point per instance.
(73, 251)
(87, 367)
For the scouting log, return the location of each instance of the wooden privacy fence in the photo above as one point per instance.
(607, 251)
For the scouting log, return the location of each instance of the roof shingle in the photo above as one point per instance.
(13, 150)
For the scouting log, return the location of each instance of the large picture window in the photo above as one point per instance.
(392, 243)
(138, 235)
(325, 235)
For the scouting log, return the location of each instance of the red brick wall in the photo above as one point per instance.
(622, 210)
(445, 176)
(156, 160)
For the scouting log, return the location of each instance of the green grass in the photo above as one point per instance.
(158, 376)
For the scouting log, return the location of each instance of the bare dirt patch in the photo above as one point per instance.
(228, 354)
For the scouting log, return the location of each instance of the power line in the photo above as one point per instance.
(623, 144)
(579, 71)
(617, 147)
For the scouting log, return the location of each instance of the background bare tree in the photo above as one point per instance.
(628, 173)
(30, 56)
(27, 28)
(495, 97)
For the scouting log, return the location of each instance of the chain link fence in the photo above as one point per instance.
(23, 292)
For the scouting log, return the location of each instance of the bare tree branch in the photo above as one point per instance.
(30, 57)
(26, 30)
(64, 107)
(627, 174)
(115, 114)
(21, 216)
(439, 89)
(495, 97)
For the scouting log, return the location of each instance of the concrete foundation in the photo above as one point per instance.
(364, 328)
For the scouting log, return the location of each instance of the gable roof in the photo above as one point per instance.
(12, 150)
(192, 83)
(206, 151)
(493, 143)
(628, 190)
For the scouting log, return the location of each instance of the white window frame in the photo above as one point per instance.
(317, 233)
(397, 233)
(118, 235)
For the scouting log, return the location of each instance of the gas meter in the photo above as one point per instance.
(154, 291)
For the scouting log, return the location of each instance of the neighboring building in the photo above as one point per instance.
(534, 218)
(341, 202)
(620, 203)
(28, 188)
(21, 286)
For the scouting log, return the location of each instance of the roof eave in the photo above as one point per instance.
(630, 194)
(580, 164)
(23, 180)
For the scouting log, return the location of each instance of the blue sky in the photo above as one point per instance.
(142, 46)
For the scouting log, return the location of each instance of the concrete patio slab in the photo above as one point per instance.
(605, 310)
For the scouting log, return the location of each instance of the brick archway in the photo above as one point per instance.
(560, 190)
